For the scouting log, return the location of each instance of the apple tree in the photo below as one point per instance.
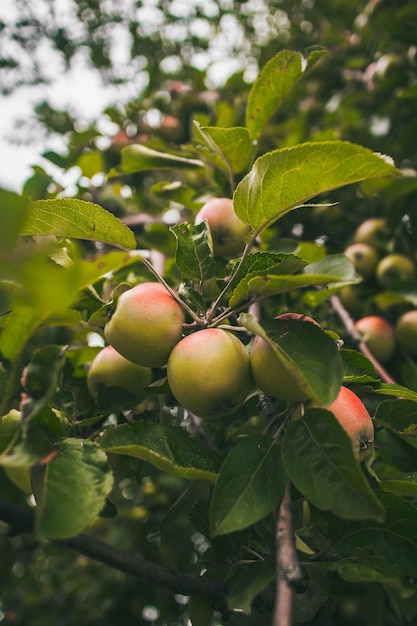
(188, 406)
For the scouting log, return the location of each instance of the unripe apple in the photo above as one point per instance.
(406, 332)
(111, 369)
(269, 373)
(209, 373)
(146, 324)
(394, 268)
(354, 418)
(379, 336)
(228, 232)
(364, 258)
(373, 231)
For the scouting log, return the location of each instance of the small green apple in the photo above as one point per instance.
(209, 373)
(373, 231)
(406, 332)
(228, 232)
(364, 258)
(378, 335)
(146, 324)
(111, 369)
(394, 268)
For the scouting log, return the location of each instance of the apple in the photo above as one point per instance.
(111, 369)
(364, 258)
(209, 373)
(393, 268)
(379, 336)
(353, 298)
(146, 324)
(269, 373)
(406, 332)
(228, 232)
(354, 418)
(373, 231)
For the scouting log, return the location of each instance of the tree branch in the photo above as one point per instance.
(288, 567)
(349, 324)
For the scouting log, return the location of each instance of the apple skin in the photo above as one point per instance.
(209, 373)
(269, 374)
(146, 324)
(394, 268)
(228, 232)
(353, 416)
(373, 231)
(406, 332)
(111, 369)
(364, 258)
(378, 335)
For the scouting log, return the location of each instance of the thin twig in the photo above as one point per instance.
(356, 336)
(288, 567)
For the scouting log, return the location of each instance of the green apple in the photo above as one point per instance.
(394, 268)
(269, 373)
(354, 418)
(228, 232)
(209, 373)
(364, 258)
(379, 336)
(146, 324)
(111, 369)
(406, 332)
(373, 231)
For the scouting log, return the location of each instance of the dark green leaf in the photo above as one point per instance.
(319, 459)
(168, 448)
(357, 368)
(285, 179)
(249, 581)
(194, 256)
(250, 485)
(13, 211)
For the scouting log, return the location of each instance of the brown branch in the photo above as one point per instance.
(356, 336)
(288, 567)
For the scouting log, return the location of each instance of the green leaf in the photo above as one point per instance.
(284, 179)
(168, 448)
(9, 429)
(319, 459)
(78, 219)
(307, 352)
(357, 368)
(391, 389)
(333, 269)
(75, 486)
(194, 256)
(249, 581)
(250, 485)
(13, 211)
(275, 80)
(138, 158)
(403, 485)
(232, 145)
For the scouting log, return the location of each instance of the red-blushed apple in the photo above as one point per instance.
(394, 268)
(353, 416)
(363, 257)
(209, 373)
(228, 232)
(373, 231)
(378, 335)
(406, 332)
(146, 324)
(111, 369)
(269, 373)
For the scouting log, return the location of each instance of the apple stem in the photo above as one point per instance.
(349, 324)
(288, 567)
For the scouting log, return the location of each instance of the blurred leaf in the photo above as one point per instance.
(169, 448)
(13, 211)
(76, 483)
(284, 179)
(78, 219)
(9, 428)
(297, 345)
(248, 581)
(138, 158)
(232, 145)
(319, 459)
(275, 80)
(194, 256)
(240, 497)
(91, 163)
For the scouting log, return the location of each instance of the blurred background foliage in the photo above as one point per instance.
(186, 60)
